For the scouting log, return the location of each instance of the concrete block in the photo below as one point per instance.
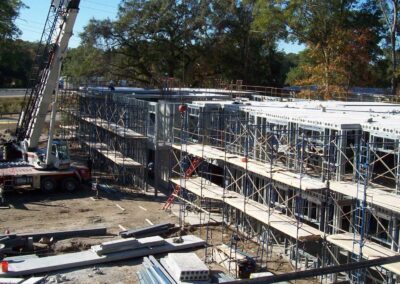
(34, 280)
(11, 280)
(127, 244)
(187, 267)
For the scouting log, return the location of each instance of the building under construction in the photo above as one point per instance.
(316, 182)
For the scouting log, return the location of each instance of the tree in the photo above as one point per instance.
(194, 41)
(9, 11)
(16, 59)
(15, 55)
(151, 39)
(85, 62)
(333, 31)
(390, 11)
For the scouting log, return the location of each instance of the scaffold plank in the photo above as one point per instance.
(278, 174)
(202, 187)
(114, 156)
(370, 249)
(375, 196)
(119, 130)
(260, 212)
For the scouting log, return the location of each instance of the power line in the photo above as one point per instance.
(99, 3)
(30, 21)
(96, 9)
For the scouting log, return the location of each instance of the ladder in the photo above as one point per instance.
(171, 198)
(360, 212)
(194, 164)
(264, 246)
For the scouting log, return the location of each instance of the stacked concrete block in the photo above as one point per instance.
(186, 267)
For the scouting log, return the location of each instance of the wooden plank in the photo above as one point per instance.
(109, 126)
(260, 212)
(278, 174)
(114, 128)
(114, 156)
(202, 187)
(375, 196)
(370, 249)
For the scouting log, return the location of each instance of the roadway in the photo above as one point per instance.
(15, 93)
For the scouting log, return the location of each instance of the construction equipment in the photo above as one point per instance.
(194, 164)
(24, 163)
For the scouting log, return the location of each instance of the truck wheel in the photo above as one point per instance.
(70, 184)
(48, 185)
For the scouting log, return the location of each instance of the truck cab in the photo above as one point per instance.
(59, 156)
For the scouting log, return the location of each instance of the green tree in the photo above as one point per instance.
(16, 59)
(339, 35)
(9, 11)
(15, 55)
(195, 41)
(390, 15)
(85, 62)
(151, 39)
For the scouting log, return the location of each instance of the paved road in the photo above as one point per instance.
(5, 93)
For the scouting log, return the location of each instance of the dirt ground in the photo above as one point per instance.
(36, 212)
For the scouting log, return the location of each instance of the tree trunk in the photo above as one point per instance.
(394, 63)
(393, 31)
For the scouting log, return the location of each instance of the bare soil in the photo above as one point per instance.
(37, 212)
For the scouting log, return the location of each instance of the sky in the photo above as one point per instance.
(31, 20)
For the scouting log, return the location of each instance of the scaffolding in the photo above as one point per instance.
(112, 129)
(294, 189)
(287, 181)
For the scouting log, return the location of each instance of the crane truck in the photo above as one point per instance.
(23, 163)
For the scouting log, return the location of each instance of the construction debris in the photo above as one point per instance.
(90, 257)
(60, 235)
(32, 280)
(235, 261)
(12, 243)
(158, 229)
(58, 278)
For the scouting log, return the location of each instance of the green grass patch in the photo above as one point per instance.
(10, 105)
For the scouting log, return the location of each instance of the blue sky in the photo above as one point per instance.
(31, 20)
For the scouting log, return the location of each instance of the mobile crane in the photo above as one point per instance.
(24, 164)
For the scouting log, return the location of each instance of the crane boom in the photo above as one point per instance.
(43, 92)
(50, 168)
(32, 118)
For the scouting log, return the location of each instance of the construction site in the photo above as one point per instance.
(264, 183)
(175, 184)
(313, 182)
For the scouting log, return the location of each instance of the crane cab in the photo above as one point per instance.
(61, 159)
(59, 156)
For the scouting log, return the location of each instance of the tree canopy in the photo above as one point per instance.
(9, 11)
(347, 43)
(192, 41)
(16, 56)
